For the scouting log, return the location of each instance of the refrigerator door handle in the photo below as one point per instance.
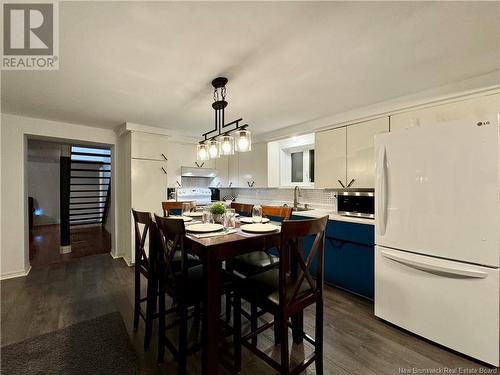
(436, 268)
(381, 191)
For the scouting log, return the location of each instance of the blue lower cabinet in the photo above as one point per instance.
(348, 257)
(351, 266)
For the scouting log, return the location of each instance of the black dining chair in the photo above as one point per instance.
(183, 282)
(287, 291)
(258, 261)
(145, 265)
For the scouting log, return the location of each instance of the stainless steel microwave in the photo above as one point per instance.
(356, 203)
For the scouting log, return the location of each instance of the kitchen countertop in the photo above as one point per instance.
(332, 215)
(315, 212)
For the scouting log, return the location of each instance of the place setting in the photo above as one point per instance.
(257, 224)
(216, 220)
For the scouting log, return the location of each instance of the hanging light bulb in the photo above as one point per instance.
(214, 149)
(202, 152)
(243, 140)
(227, 144)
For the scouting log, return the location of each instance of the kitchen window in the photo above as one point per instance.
(291, 161)
(297, 166)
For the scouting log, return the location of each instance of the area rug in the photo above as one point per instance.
(97, 346)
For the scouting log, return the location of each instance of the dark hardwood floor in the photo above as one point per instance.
(85, 240)
(56, 295)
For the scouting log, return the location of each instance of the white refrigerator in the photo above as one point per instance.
(437, 208)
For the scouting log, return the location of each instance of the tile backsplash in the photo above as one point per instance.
(314, 197)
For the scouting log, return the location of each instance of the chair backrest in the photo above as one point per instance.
(142, 259)
(284, 213)
(170, 239)
(242, 208)
(168, 207)
(291, 258)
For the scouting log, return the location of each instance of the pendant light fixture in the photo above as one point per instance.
(220, 141)
(226, 144)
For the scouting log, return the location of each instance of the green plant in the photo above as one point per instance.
(217, 209)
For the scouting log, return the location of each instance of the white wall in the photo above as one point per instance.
(43, 186)
(14, 250)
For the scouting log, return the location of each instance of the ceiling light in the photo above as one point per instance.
(214, 149)
(202, 152)
(227, 144)
(243, 140)
(219, 141)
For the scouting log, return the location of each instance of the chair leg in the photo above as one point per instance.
(285, 361)
(137, 296)
(253, 322)
(277, 330)
(228, 307)
(150, 308)
(237, 333)
(197, 314)
(182, 364)
(161, 323)
(319, 337)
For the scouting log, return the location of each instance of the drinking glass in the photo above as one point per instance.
(230, 218)
(257, 214)
(207, 215)
(186, 208)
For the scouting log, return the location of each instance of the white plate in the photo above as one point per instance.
(259, 228)
(194, 214)
(248, 220)
(204, 228)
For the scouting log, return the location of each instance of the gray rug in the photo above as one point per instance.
(97, 346)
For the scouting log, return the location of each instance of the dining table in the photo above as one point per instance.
(213, 251)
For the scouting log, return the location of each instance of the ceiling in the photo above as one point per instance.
(287, 62)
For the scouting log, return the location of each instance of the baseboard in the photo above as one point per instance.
(11, 275)
(114, 256)
(129, 263)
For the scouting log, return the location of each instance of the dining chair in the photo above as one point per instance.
(287, 291)
(145, 265)
(258, 261)
(175, 208)
(183, 282)
(242, 208)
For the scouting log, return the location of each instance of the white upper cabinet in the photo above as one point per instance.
(330, 158)
(473, 109)
(149, 185)
(183, 155)
(233, 170)
(252, 166)
(149, 146)
(222, 166)
(360, 152)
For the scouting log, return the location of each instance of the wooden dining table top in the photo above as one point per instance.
(236, 242)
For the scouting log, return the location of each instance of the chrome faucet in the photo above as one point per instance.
(296, 195)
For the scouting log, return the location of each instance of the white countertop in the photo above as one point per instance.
(332, 215)
(314, 212)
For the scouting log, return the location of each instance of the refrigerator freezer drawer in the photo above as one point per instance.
(454, 304)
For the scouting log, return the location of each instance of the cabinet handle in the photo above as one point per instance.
(350, 183)
(164, 157)
(163, 169)
(341, 184)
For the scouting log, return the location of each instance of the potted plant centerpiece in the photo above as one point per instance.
(218, 210)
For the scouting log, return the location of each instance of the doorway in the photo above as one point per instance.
(86, 204)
